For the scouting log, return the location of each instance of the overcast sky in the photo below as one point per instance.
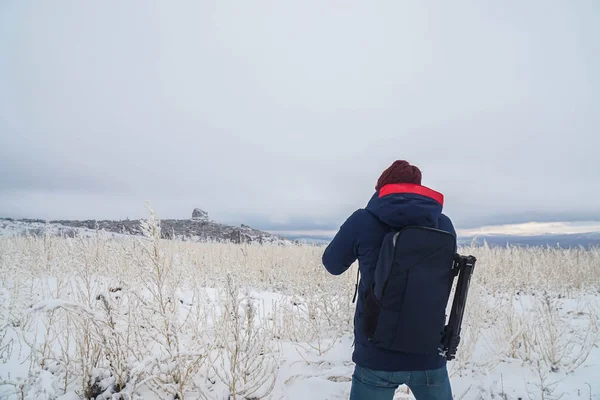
(282, 114)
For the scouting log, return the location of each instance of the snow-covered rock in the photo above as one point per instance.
(200, 215)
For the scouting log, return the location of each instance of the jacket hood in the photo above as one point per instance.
(401, 205)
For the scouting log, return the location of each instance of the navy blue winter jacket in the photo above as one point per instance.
(393, 207)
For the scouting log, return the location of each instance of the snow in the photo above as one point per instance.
(10, 228)
(304, 374)
(50, 305)
(51, 295)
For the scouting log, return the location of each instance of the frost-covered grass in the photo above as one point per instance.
(144, 318)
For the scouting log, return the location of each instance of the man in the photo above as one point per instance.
(400, 201)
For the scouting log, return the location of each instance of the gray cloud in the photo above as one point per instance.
(283, 114)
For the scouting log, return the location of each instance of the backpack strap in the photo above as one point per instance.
(358, 271)
(356, 286)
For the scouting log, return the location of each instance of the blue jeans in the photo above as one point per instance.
(368, 384)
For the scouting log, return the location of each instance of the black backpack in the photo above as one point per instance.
(405, 307)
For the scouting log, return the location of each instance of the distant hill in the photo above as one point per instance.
(197, 228)
(563, 240)
(201, 228)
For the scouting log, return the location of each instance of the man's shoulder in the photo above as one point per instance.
(362, 216)
(444, 217)
(445, 224)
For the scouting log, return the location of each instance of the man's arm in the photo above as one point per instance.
(343, 249)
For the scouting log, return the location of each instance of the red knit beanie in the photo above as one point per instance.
(399, 172)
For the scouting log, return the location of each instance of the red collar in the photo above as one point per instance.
(397, 188)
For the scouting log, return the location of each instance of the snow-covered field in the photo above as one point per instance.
(103, 317)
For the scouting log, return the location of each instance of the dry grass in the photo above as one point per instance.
(179, 319)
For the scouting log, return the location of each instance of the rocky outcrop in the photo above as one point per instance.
(198, 228)
(200, 215)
